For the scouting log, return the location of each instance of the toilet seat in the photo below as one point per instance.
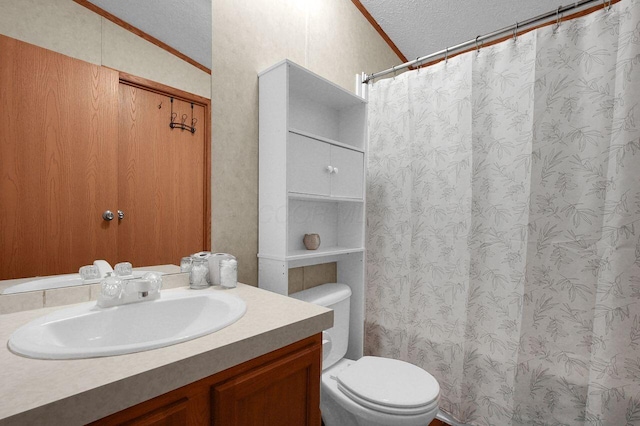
(398, 411)
(389, 386)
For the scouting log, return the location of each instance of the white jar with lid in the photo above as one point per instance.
(198, 274)
(228, 273)
(214, 266)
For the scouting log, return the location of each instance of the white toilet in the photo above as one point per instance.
(371, 391)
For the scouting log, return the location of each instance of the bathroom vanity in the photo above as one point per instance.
(263, 369)
(279, 388)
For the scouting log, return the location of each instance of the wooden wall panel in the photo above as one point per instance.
(57, 161)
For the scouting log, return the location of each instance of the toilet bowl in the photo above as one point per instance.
(349, 408)
(371, 391)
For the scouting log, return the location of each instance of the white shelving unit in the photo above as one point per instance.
(312, 180)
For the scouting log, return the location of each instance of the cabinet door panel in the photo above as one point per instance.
(283, 393)
(347, 181)
(307, 161)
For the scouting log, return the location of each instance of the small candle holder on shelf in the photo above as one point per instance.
(311, 241)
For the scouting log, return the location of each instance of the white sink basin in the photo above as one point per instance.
(86, 331)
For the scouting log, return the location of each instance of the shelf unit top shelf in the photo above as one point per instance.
(323, 139)
(311, 85)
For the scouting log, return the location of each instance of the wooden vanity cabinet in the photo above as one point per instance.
(279, 388)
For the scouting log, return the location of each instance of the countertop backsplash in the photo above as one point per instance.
(10, 303)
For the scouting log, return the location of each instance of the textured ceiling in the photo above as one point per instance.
(422, 27)
(417, 27)
(184, 25)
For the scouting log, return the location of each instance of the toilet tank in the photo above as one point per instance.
(336, 339)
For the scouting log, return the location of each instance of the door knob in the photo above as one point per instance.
(107, 215)
(330, 169)
(120, 215)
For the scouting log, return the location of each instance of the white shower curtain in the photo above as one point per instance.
(503, 237)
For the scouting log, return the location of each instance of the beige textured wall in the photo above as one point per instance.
(331, 38)
(68, 28)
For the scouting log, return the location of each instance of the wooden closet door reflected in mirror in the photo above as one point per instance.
(161, 183)
(76, 140)
(58, 167)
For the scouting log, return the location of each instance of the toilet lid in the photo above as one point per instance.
(388, 383)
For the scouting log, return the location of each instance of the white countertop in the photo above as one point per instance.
(80, 391)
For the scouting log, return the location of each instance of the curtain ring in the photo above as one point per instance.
(558, 17)
(394, 72)
(515, 33)
(477, 47)
(417, 64)
(446, 55)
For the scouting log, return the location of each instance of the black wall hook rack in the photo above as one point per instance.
(182, 125)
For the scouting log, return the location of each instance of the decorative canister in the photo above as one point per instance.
(203, 255)
(228, 273)
(185, 264)
(311, 241)
(214, 266)
(198, 274)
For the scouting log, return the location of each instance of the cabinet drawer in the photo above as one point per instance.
(319, 168)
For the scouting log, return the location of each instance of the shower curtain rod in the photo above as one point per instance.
(513, 29)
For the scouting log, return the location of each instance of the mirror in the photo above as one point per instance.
(25, 285)
(69, 152)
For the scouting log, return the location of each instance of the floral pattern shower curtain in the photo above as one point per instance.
(503, 238)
